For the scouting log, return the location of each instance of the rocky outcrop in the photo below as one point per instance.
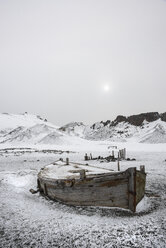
(137, 120)
(106, 123)
(163, 116)
(119, 118)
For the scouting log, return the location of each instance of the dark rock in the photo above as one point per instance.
(120, 132)
(163, 116)
(119, 118)
(62, 129)
(93, 126)
(106, 122)
(34, 191)
(137, 120)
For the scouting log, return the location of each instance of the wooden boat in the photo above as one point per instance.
(84, 185)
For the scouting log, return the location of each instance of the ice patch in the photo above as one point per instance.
(19, 180)
(143, 205)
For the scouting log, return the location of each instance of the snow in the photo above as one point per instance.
(32, 221)
(143, 205)
(15, 120)
(74, 128)
(28, 144)
(59, 170)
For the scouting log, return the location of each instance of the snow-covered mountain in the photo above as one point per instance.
(11, 121)
(146, 127)
(31, 129)
(27, 129)
(74, 128)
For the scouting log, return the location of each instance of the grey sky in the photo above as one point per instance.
(57, 55)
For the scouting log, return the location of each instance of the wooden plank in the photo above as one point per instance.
(140, 185)
(45, 189)
(132, 188)
(115, 196)
(105, 193)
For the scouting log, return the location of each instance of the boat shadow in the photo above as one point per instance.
(111, 212)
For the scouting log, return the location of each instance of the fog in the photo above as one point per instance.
(85, 60)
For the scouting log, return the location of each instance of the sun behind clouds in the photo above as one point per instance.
(106, 88)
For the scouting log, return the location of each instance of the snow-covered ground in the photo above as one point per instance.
(28, 220)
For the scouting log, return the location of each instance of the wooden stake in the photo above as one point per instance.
(124, 153)
(82, 174)
(67, 161)
(86, 157)
(142, 168)
(118, 165)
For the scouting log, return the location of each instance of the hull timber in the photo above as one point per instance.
(112, 189)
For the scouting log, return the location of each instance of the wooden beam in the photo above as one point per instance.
(132, 188)
(82, 174)
(67, 161)
(142, 168)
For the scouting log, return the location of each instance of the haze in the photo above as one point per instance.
(83, 60)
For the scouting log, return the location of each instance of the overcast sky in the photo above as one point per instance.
(82, 60)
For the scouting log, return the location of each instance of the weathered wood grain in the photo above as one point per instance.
(132, 189)
(140, 186)
(122, 189)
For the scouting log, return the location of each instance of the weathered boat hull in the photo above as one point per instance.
(121, 189)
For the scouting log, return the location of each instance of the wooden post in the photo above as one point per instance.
(118, 165)
(90, 155)
(124, 153)
(132, 188)
(82, 174)
(112, 153)
(86, 157)
(142, 168)
(120, 153)
(67, 161)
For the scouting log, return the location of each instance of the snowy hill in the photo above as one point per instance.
(11, 121)
(25, 135)
(31, 129)
(147, 132)
(25, 129)
(74, 128)
(146, 128)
